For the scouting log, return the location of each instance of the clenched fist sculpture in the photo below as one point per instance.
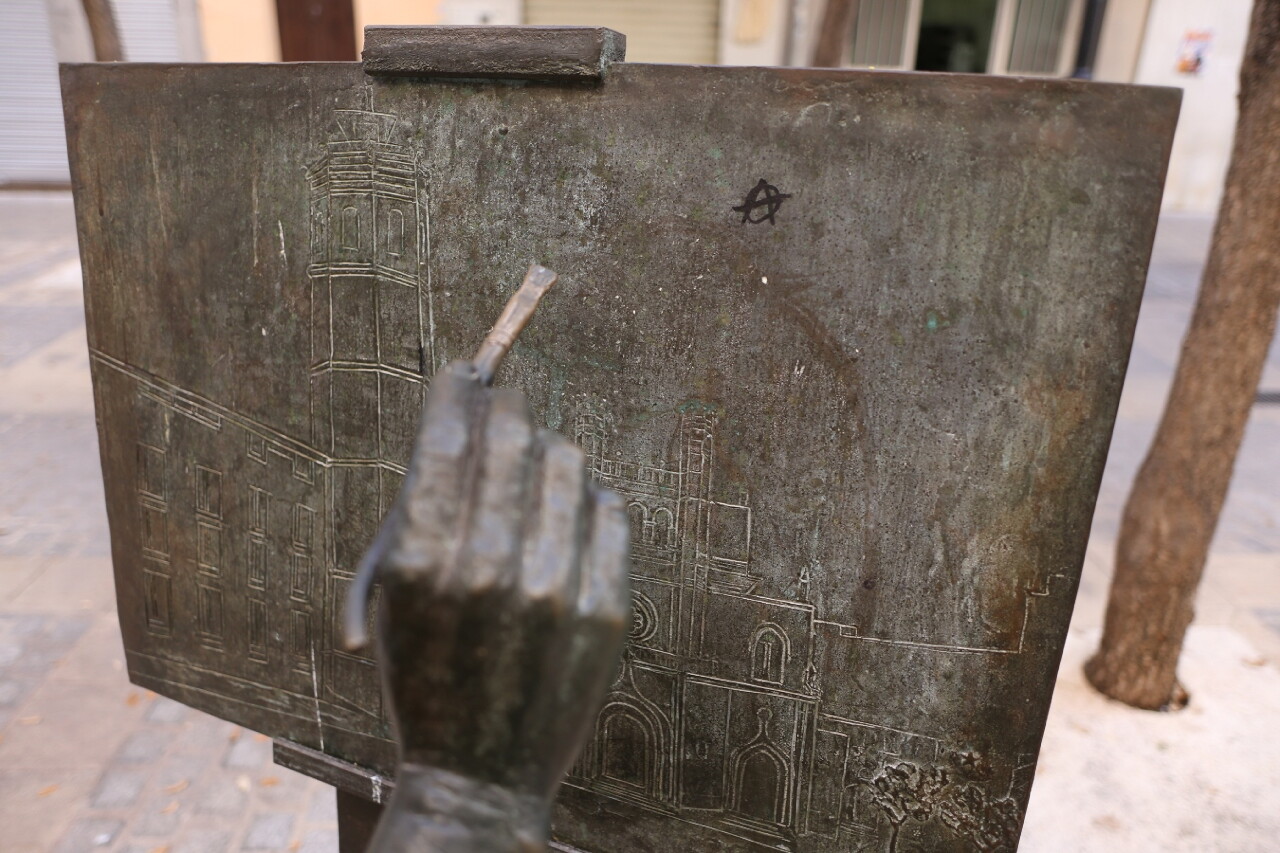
(503, 610)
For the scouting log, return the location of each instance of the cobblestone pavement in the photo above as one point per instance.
(88, 762)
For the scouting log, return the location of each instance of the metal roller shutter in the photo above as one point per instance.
(149, 30)
(33, 148)
(656, 30)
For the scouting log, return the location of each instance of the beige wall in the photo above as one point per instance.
(393, 12)
(239, 30)
(245, 30)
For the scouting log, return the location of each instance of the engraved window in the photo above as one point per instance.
(349, 229)
(257, 562)
(155, 529)
(768, 655)
(259, 503)
(210, 612)
(151, 471)
(638, 515)
(395, 233)
(303, 526)
(156, 597)
(301, 575)
(317, 233)
(208, 492)
(256, 447)
(301, 639)
(208, 546)
(663, 528)
(257, 630)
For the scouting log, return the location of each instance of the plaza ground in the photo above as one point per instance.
(88, 762)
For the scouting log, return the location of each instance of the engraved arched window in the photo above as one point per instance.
(395, 233)
(769, 652)
(638, 516)
(349, 228)
(663, 528)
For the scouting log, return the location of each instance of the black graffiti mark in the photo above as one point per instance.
(763, 195)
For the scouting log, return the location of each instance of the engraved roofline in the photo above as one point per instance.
(210, 409)
(850, 632)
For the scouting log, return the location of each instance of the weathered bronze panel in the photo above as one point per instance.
(850, 343)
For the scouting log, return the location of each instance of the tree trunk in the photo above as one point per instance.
(102, 28)
(316, 30)
(834, 33)
(1173, 509)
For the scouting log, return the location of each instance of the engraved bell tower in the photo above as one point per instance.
(371, 347)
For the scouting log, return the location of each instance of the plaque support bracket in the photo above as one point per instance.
(550, 54)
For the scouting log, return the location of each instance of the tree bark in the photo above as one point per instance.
(1173, 509)
(834, 33)
(316, 30)
(102, 28)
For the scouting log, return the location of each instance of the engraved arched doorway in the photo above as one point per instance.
(761, 778)
(632, 741)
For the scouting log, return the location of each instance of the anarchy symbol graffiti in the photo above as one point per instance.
(762, 203)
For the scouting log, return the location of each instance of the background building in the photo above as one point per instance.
(1186, 43)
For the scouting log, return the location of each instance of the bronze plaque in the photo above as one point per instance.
(850, 344)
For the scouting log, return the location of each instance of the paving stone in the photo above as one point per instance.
(37, 806)
(165, 710)
(177, 773)
(1269, 617)
(159, 822)
(77, 725)
(144, 747)
(249, 752)
(29, 327)
(118, 788)
(88, 834)
(203, 841)
(204, 734)
(269, 832)
(324, 806)
(13, 691)
(319, 841)
(32, 645)
(221, 795)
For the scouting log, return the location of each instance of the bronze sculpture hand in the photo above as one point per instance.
(504, 605)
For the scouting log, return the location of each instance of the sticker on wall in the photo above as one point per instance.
(1193, 50)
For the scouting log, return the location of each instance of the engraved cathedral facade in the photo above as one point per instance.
(709, 717)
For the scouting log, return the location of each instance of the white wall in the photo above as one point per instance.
(1202, 146)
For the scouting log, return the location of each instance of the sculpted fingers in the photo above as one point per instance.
(434, 494)
(491, 550)
(592, 636)
(605, 592)
(553, 553)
